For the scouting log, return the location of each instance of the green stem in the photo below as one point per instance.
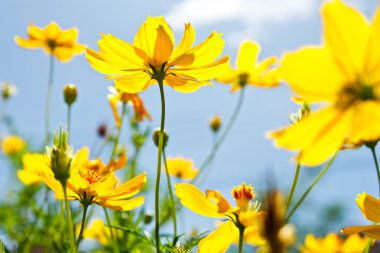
(48, 99)
(310, 188)
(113, 239)
(70, 227)
(116, 141)
(171, 200)
(294, 184)
(160, 145)
(80, 237)
(68, 123)
(223, 136)
(241, 238)
(373, 151)
(368, 246)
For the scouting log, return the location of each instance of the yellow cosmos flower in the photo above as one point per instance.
(181, 168)
(344, 75)
(33, 165)
(12, 145)
(60, 43)
(214, 205)
(99, 231)
(333, 243)
(249, 71)
(91, 181)
(153, 57)
(370, 207)
(117, 96)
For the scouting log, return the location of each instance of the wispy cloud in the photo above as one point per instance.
(250, 15)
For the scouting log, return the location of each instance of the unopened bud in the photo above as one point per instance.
(70, 94)
(102, 130)
(215, 123)
(8, 90)
(156, 138)
(148, 217)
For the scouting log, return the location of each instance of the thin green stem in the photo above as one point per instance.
(83, 224)
(48, 99)
(68, 123)
(241, 238)
(116, 141)
(158, 173)
(368, 246)
(223, 136)
(70, 227)
(294, 184)
(171, 200)
(113, 239)
(299, 202)
(373, 151)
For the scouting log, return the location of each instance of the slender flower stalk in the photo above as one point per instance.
(48, 99)
(299, 202)
(70, 227)
(174, 209)
(223, 136)
(372, 147)
(241, 239)
(83, 224)
(160, 80)
(69, 122)
(294, 184)
(113, 239)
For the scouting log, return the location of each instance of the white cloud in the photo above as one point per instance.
(251, 15)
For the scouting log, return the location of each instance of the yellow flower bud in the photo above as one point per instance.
(215, 123)
(156, 138)
(70, 94)
(8, 90)
(12, 145)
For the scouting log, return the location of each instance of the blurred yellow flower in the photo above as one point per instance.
(60, 43)
(33, 165)
(91, 181)
(214, 205)
(249, 71)
(333, 243)
(344, 75)
(370, 208)
(153, 57)
(12, 145)
(181, 168)
(117, 96)
(98, 231)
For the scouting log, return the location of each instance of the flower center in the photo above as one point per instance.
(243, 79)
(92, 172)
(356, 92)
(243, 195)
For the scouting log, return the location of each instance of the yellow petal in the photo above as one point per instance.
(63, 54)
(192, 198)
(220, 240)
(227, 76)
(355, 243)
(122, 205)
(369, 206)
(342, 23)
(113, 100)
(146, 37)
(163, 47)
(268, 79)
(247, 56)
(52, 31)
(99, 64)
(186, 42)
(185, 84)
(372, 54)
(220, 200)
(53, 184)
(205, 72)
(317, 136)
(312, 74)
(28, 43)
(126, 190)
(28, 177)
(68, 36)
(372, 231)
(133, 83)
(252, 235)
(202, 54)
(36, 33)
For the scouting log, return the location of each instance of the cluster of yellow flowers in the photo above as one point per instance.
(341, 76)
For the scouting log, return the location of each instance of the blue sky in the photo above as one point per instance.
(279, 26)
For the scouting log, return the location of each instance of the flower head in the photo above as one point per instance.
(91, 181)
(215, 123)
(214, 205)
(12, 145)
(118, 96)
(60, 43)
(152, 56)
(343, 74)
(181, 168)
(8, 90)
(370, 208)
(249, 71)
(333, 243)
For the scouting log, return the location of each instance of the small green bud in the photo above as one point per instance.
(70, 94)
(8, 90)
(301, 113)
(215, 123)
(148, 217)
(156, 138)
(60, 155)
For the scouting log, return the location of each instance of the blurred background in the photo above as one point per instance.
(246, 155)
